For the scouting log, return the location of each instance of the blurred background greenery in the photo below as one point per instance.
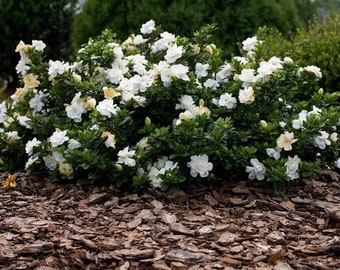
(304, 28)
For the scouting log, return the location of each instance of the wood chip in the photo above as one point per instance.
(45, 247)
(180, 228)
(168, 218)
(96, 198)
(227, 238)
(136, 254)
(183, 256)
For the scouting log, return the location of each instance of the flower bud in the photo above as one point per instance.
(320, 92)
(90, 103)
(201, 103)
(118, 167)
(288, 60)
(334, 137)
(76, 77)
(147, 121)
(263, 124)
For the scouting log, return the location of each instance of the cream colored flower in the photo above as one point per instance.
(110, 93)
(31, 80)
(20, 93)
(22, 47)
(110, 139)
(65, 169)
(286, 140)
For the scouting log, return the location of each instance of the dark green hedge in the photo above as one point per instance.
(318, 45)
(236, 19)
(26, 20)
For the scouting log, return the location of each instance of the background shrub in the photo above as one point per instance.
(27, 20)
(236, 20)
(319, 45)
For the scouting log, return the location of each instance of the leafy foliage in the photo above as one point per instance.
(319, 44)
(167, 110)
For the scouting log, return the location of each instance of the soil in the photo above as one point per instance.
(240, 225)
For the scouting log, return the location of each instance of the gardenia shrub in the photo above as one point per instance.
(167, 111)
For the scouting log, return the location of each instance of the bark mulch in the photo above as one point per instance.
(243, 225)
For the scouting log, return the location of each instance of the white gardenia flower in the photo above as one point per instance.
(292, 166)
(57, 68)
(186, 102)
(107, 108)
(173, 53)
(179, 71)
(73, 144)
(76, 109)
(125, 157)
(114, 75)
(58, 138)
(200, 165)
(247, 75)
(246, 96)
(30, 145)
(3, 112)
(241, 59)
(36, 102)
(12, 136)
(257, 170)
(201, 70)
(23, 65)
(160, 168)
(38, 45)
(31, 160)
(163, 43)
(23, 121)
(337, 163)
(148, 27)
(227, 100)
(211, 83)
(298, 123)
(51, 161)
(154, 176)
(315, 111)
(322, 140)
(225, 72)
(139, 40)
(311, 69)
(249, 44)
(274, 152)
(267, 68)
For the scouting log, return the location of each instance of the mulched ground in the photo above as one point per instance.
(244, 225)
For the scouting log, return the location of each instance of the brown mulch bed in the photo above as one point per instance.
(244, 225)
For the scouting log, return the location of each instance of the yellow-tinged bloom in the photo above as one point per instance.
(65, 169)
(111, 140)
(110, 93)
(20, 93)
(76, 77)
(90, 103)
(286, 140)
(210, 48)
(10, 182)
(22, 47)
(31, 80)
